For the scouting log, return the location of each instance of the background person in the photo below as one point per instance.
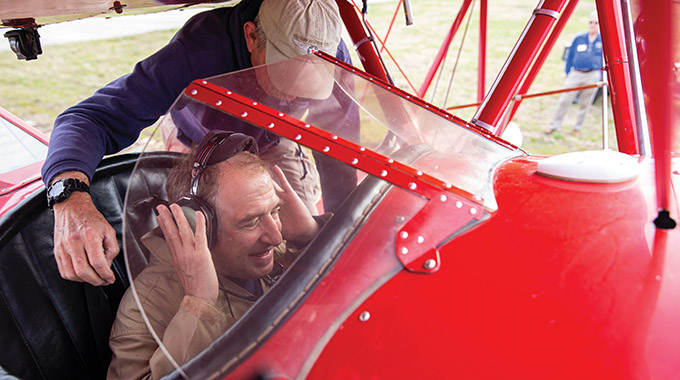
(191, 291)
(582, 66)
(210, 43)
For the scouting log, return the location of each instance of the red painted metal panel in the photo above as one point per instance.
(580, 288)
(367, 262)
(418, 241)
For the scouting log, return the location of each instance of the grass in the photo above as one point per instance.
(37, 91)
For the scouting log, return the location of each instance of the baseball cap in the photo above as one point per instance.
(298, 27)
(305, 76)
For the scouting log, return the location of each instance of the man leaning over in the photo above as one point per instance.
(211, 43)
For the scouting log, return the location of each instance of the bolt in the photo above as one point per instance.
(364, 316)
(429, 264)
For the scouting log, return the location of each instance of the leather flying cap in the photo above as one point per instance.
(298, 27)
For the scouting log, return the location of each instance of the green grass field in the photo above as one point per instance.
(37, 91)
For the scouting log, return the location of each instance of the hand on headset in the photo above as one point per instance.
(189, 251)
(297, 222)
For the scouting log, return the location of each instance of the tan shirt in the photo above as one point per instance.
(185, 324)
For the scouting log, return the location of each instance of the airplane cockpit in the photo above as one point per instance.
(385, 160)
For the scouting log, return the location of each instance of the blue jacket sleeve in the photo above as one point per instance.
(569, 62)
(112, 119)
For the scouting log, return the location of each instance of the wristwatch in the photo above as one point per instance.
(62, 189)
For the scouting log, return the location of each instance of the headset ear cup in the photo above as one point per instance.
(190, 205)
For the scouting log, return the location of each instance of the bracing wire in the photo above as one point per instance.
(455, 65)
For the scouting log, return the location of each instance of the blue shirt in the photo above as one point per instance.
(209, 44)
(584, 54)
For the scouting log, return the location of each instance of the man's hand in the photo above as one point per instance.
(297, 222)
(84, 242)
(190, 254)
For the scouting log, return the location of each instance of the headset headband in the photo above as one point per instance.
(215, 147)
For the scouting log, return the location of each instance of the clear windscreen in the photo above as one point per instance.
(305, 90)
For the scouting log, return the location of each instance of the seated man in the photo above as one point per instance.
(197, 284)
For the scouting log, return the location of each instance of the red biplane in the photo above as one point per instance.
(458, 254)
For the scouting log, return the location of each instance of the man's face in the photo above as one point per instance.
(593, 25)
(247, 209)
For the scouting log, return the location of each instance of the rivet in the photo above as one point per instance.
(307, 125)
(244, 114)
(412, 186)
(404, 251)
(218, 103)
(473, 211)
(429, 264)
(280, 114)
(204, 81)
(355, 161)
(419, 173)
(447, 185)
(228, 92)
(194, 92)
(270, 125)
(408, 96)
(335, 137)
(364, 316)
(477, 197)
(390, 161)
(383, 173)
(403, 234)
(400, 219)
(420, 240)
(459, 204)
(362, 149)
(254, 103)
(326, 149)
(298, 137)
(442, 198)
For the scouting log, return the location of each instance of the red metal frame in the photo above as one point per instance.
(542, 56)
(320, 140)
(366, 50)
(618, 75)
(527, 48)
(660, 112)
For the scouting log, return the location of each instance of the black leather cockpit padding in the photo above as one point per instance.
(53, 328)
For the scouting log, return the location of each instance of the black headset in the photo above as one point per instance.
(217, 146)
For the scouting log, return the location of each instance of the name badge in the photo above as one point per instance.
(581, 48)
